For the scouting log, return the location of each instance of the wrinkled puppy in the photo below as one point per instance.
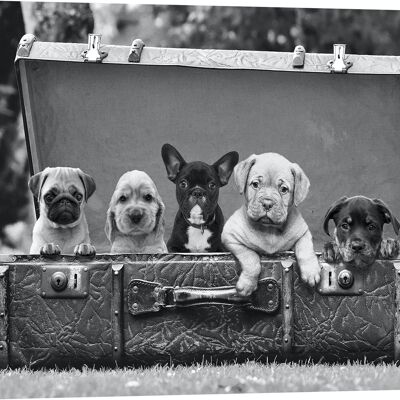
(199, 221)
(62, 193)
(358, 231)
(135, 218)
(269, 221)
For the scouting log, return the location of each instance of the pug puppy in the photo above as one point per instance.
(135, 217)
(62, 193)
(269, 220)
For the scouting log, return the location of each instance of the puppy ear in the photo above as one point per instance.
(241, 172)
(88, 183)
(173, 161)
(110, 227)
(333, 209)
(388, 215)
(224, 166)
(301, 184)
(159, 227)
(36, 183)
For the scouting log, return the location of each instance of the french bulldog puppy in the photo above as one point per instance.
(199, 221)
(358, 231)
(135, 217)
(269, 220)
(62, 193)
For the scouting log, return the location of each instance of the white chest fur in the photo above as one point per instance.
(197, 240)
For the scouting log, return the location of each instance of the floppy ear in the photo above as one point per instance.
(88, 183)
(110, 227)
(224, 166)
(159, 227)
(301, 184)
(173, 161)
(333, 209)
(241, 172)
(388, 216)
(36, 182)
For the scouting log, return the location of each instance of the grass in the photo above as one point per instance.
(251, 377)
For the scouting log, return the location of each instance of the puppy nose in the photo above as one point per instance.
(136, 216)
(267, 204)
(197, 193)
(357, 245)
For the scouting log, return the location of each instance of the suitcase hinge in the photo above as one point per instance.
(25, 45)
(299, 55)
(339, 65)
(136, 50)
(93, 54)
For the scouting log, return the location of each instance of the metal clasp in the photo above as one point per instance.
(93, 53)
(339, 65)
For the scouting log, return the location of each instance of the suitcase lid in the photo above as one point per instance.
(111, 117)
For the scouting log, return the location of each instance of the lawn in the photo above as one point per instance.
(251, 377)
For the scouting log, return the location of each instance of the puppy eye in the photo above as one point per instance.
(284, 189)
(371, 227)
(148, 197)
(48, 198)
(345, 226)
(212, 185)
(183, 184)
(255, 184)
(122, 199)
(79, 197)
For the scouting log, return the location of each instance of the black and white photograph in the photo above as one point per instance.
(199, 199)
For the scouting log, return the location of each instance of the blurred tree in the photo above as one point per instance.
(229, 27)
(279, 29)
(59, 22)
(365, 31)
(13, 165)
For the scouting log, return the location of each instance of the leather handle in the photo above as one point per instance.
(146, 296)
(195, 295)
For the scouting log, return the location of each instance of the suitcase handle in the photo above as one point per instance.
(146, 297)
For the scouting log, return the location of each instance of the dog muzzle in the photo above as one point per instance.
(64, 210)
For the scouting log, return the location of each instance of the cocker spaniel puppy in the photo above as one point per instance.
(135, 218)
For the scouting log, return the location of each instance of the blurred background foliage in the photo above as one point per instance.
(264, 29)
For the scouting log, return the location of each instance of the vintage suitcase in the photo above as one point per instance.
(109, 109)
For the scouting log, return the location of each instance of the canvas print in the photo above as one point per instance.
(198, 199)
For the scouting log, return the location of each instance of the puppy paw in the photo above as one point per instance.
(330, 252)
(389, 249)
(50, 249)
(246, 285)
(311, 273)
(84, 249)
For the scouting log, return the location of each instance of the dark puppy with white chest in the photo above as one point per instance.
(199, 221)
(358, 231)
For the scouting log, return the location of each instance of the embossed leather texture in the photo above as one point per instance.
(61, 332)
(206, 332)
(336, 328)
(97, 329)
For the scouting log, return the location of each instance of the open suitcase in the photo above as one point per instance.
(109, 109)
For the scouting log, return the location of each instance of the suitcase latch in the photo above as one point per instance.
(67, 281)
(93, 54)
(340, 280)
(339, 65)
(145, 297)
